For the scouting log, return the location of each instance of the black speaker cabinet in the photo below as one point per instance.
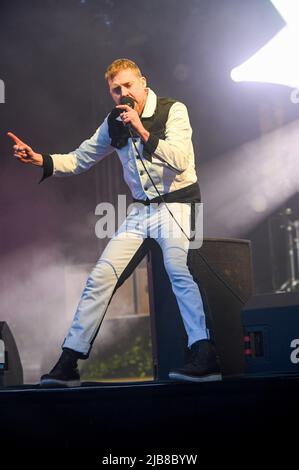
(271, 333)
(11, 371)
(231, 260)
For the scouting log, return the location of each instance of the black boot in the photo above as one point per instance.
(202, 365)
(65, 373)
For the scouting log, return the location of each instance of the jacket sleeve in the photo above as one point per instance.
(90, 152)
(177, 147)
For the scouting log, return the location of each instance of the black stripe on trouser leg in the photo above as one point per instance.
(133, 263)
(191, 262)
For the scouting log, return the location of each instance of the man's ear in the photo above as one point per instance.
(143, 80)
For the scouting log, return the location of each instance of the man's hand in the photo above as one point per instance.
(24, 153)
(130, 116)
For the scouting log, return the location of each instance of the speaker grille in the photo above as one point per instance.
(230, 259)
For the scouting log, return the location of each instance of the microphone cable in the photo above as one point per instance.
(220, 278)
(130, 102)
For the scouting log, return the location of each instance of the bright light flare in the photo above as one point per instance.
(276, 62)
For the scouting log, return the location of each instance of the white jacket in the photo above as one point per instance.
(172, 166)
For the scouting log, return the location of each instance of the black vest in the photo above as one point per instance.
(156, 125)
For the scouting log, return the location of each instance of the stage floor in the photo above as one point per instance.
(243, 412)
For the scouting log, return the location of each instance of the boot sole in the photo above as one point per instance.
(190, 378)
(52, 383)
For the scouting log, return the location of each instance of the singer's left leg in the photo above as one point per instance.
(175, 245)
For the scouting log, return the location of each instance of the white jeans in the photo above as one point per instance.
(119, 258)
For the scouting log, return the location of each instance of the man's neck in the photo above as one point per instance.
(144, 102)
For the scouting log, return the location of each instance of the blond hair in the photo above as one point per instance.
(121, 64)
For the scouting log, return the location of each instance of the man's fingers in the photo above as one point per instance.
(15, 138)
(21, 148)
(22, 159)
(22, 153)
(125, 107)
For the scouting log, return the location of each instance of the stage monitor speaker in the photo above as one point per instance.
(11, 371)
(271, 334)
(231, 259)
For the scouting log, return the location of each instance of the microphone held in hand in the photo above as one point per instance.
(127, 100)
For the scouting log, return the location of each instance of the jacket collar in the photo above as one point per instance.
(150, 105)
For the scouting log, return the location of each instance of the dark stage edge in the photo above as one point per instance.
(250, 414)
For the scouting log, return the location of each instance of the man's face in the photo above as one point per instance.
(127, 83)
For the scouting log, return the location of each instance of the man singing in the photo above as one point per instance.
(152, 137)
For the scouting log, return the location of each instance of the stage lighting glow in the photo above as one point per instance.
(252, 182)
(277, 61)
(289, 10)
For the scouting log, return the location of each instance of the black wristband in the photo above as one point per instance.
(150, 146)
(48, 166)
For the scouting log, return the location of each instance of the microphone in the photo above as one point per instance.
(127, 100)
(130, 102)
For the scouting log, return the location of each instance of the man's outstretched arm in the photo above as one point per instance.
(84, 157)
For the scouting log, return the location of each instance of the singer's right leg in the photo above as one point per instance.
(119, 255)
(122, 254)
